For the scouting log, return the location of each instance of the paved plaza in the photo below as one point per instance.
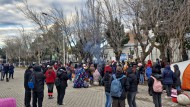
(84, 97)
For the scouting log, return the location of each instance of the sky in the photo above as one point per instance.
(11, 18)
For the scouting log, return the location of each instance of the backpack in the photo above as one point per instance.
(31, 82)
(116, 87)
(157, 85)
(57, 81)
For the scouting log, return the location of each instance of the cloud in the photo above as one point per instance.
(11, 18)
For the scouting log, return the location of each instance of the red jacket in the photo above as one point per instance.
(149, 64)
(107, 68)
(50, 76)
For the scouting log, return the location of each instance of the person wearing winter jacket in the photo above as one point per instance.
(62, 75)
(155, 95)
(168, 79)
(132, 88)
(141, 72)
(6, 71)
(50, 79)
(107, 83)
(177, 81)
(11, 71)
(149, 64)
(38, 91)
(120, 101)
(96, 75)
(27, 97)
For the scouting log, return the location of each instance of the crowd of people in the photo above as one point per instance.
(121, 80)
(7, 71)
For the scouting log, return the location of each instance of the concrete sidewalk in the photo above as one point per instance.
(84, 97)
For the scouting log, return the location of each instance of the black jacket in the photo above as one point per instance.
(133, 82)
(39, 81)
(177, 81)
(141, 70)
(151, 80)
(62, 75)
(27, 76)
(124, 85)
(107, 82)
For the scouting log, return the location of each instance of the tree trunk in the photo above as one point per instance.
(118, 54)
(162, 52)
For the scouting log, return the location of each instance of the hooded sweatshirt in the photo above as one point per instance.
(167, 76)
(149, 64)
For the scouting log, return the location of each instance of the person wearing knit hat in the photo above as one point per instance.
(38, 91)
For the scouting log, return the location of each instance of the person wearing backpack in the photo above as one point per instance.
(155, 84)
(27, 76)
(61, 87)
(168, 80)
(38, 91)
(118, 88)
(132, 87)
(50, 79)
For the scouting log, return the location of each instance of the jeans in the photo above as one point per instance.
(142, 78)
(108, 100)
(157, 99)
(131, 96)
(27, 98)
(37, 97)
(168, 90)
(60, 94)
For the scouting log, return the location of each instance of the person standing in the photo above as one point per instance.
(177, 81)
(168, 80)
(62, 76)
(107, 83)
(142, 72)
(11, 71)
(27, 76)
(119, 101)
(38, 91)
(132, 90)
(6, 71)
(2, 71)
(50, 79)
(155, 81)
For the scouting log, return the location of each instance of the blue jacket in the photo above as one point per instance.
(167, 76)
(148, 72)
(11, 69)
